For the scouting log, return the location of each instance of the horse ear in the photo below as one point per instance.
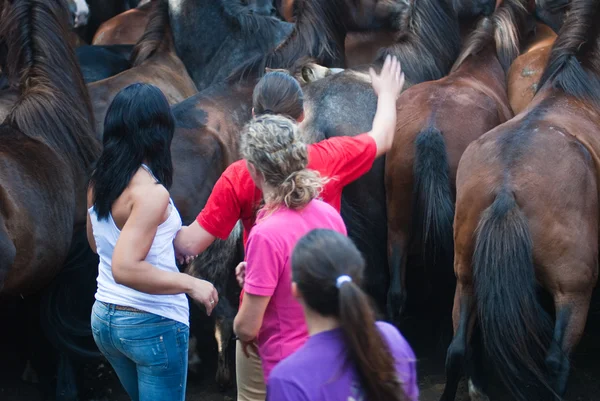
(313, 72)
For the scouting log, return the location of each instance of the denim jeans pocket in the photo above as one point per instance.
(149, 352)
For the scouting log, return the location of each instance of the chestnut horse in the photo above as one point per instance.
(47, 150)
(436, 122)
(525, 73)
(527, 219)
(154, 61)
(124, 29)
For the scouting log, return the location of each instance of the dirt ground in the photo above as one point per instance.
(584, 383)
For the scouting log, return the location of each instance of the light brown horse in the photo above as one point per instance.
(124, 29)
(436, 122)
(525, 73)
(527, 219)
(154, 61)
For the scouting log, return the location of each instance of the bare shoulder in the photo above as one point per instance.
(150, 200)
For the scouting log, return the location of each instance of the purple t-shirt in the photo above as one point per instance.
(318, 372)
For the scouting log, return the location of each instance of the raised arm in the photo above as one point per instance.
(388, 86)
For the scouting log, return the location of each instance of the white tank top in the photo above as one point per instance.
(161, 256)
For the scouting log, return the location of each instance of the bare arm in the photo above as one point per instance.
(129, 267)
(250, 317)
(192, 240)
(388, 86)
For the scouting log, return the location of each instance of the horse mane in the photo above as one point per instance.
(505, 27)
(254, 27)
(53, 104)
(312, 36)
(429, 41)
(574, 63)
(157, 30)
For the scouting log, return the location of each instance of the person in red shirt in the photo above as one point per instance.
(341, 159)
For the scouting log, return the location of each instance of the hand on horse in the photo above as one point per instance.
(390, 80)
(240, 274)
(205, 293)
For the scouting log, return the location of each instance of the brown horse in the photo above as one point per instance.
(154, 61)
(436, 122)
(47, 147)
(51, 124)
(124, 29)
(206, 141)
(527, 219)
(525, 73)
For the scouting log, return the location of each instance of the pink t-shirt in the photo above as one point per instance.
(268, 273)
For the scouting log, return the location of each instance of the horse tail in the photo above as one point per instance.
(433, 203)
(515, 329)
(54, 103)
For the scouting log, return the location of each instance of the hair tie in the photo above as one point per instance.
(267, 111)
(342, 279)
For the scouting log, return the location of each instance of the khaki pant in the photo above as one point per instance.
(249, 375)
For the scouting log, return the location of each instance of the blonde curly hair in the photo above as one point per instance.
(270, 143)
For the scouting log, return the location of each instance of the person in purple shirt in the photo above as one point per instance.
(348, 356)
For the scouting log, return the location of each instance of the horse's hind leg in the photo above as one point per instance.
(571, 316)
(456, 357)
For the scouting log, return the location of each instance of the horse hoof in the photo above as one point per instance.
(476, 394)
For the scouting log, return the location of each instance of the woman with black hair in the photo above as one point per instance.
(348, 356)
(140, 320)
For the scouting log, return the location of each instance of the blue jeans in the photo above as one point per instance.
(148, 352)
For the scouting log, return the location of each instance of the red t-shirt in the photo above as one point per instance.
(342, 159)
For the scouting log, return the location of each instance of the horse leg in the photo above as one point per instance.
(463, 318)
(397, 262)
(66, 383)
(224, 336)
(571, 316)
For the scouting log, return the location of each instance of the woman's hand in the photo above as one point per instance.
(390, 80)
(240, 273)
(205, 293)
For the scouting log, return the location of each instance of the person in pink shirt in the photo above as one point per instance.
(277, 163)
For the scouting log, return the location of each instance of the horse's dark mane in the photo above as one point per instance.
(256, 28)
(314, 36)
(157, 30)
(53, 105)
(574, 64)
(430, 45)
(505, 27)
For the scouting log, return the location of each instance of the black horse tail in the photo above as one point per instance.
(516, 330)
(433, 203)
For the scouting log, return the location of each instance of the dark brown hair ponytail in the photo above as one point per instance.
(328, 268)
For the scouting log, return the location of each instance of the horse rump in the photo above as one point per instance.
(516, 330)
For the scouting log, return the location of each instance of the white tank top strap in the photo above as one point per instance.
(171, 204)
(145, 167)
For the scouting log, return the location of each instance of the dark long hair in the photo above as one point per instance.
(138, 128)
(319, 258)
(278, 93)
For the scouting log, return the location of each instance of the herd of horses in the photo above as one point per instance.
(485, 207)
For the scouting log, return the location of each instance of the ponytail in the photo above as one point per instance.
(328, 269)
(366, 348)
(270, 143)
